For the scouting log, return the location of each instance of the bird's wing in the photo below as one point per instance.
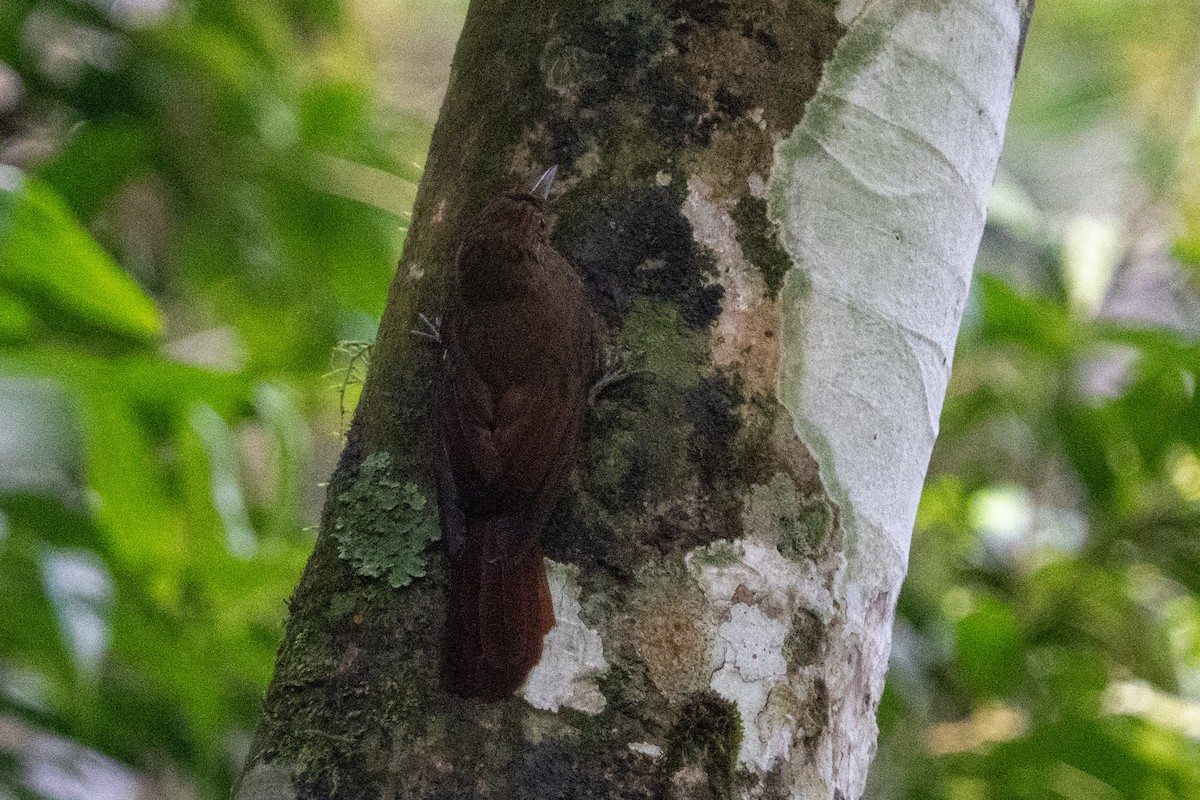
(508, 459)
(455, 438)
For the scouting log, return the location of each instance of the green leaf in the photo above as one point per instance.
(48, 258)
(1077, 605)
(16, 323)
(30, 637)
(1066, 681)
(205, 51)
(1083, 432)
(332, 115)
(1187, 251)
(96, 162)
(289, 434)
(1034, 322)
(1100, 759)
(1158, 411)
(1169, 542)
(990, 650)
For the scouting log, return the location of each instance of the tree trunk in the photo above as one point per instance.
(775, 208)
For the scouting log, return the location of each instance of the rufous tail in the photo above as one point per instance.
(499, 611)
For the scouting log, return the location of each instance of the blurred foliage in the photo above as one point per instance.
(1047, 642)
(199, 200)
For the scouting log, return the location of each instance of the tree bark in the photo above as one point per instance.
(775, 208)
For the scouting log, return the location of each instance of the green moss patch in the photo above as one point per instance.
(799, 526)
(805, 639)
(658, 342)
(806, 530)
(719, 554)
(707, 734)
(760, 245)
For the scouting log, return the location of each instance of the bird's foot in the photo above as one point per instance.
(615, 373)
(432, 331)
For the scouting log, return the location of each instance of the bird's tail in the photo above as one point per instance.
(498, 612)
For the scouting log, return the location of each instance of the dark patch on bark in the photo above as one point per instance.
(731, 103)
(616, 72)
(774, 785)
(637, 456)
(630, 51)
(806, 641)
(703, 12)
(571, 538)
(459, 791)
(712, 409)
(554, 772)
(708, 734)
(735, 62)
(352, 454)
(640, 244)
(814, 717)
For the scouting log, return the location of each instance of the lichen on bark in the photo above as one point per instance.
(383, 526)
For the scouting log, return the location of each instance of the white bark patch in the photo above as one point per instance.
(572, 653)
(750, 646)
(715, 229)
(749, 667)
(745, 311)
(881, 192)
(646, 749)
(754, 645)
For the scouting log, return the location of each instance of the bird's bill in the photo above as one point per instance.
(542, 187)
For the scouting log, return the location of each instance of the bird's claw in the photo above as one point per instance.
(433, 330)
(614, 376)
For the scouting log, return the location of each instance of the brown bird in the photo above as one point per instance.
(520, 352)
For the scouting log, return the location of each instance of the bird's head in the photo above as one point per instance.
(506, 238)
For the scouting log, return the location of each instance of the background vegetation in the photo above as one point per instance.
(200, 199)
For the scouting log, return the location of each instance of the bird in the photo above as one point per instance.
(520, 344)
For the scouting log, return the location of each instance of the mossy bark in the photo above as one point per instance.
(663, 119)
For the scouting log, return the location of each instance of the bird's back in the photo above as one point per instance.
(520, 353)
